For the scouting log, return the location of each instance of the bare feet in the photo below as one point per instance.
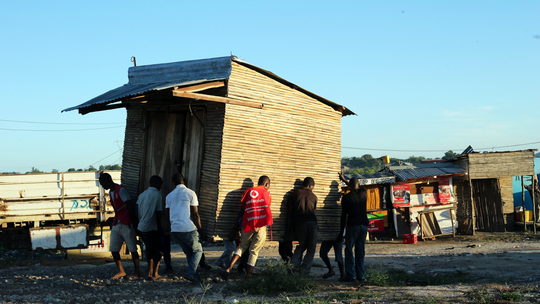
(159, 278)
(135, 276)
(119, 275)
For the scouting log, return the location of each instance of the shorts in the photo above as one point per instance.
(123, 233)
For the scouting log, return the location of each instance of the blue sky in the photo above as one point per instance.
(424, 77)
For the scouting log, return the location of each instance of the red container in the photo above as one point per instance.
(410, 239)
(376, 225)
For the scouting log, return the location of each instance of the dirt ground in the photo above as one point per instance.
(497, 261)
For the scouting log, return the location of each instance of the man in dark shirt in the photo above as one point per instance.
(302, 205)
(354, 217)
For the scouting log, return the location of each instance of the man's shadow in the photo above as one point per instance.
(232, 205)
(329, 228)
(226, 219)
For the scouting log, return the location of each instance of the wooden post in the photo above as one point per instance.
(63, 196)
(533, 188)
(523, 203)
(472, 206)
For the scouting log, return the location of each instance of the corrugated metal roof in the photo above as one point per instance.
(146, 78)
(410, 173)
(143, 79)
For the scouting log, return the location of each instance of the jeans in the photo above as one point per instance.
(354, 264)
(225, 259)
(189, 241)
(338, 250)
(307, 233)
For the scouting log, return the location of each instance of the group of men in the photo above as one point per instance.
(302, 226)
(181, 208)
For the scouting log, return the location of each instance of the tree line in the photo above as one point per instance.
(368, 164)
(89, 168)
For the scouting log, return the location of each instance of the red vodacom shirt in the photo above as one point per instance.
(256, 202)
(121, 211)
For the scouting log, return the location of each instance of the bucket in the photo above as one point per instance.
(528, 216)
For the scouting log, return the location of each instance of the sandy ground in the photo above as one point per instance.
(505, 259)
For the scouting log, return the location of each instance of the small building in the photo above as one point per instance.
(222, 123)
(424, 200)
(486, 191)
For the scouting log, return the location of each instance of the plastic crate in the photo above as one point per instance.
(410, 239)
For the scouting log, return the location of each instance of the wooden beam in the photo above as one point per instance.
(180, 93)
(102, 107)
(201, 87)
(137, 99)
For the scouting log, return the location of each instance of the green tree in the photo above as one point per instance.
(54, 171)
(450, 155)
(34, 170)
(90, 168)
(415, 160)
(71, 170)
(367, 156)
(112, 167)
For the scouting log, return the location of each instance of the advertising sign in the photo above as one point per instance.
(401, 195)
(445, 191)
(376, 222)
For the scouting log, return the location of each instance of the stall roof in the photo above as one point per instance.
(373, 178)
(424, 170)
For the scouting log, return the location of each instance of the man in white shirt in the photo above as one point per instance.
(149, 207)
(182, 207)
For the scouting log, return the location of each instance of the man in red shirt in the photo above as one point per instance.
(122, 228)
(255, 215)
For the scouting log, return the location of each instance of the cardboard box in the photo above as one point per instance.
(410, 239)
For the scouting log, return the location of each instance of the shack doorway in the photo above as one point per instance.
(488, 206)
(173, 143)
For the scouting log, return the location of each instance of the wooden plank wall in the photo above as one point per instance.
(462, 191)
(507, 196)
(292, 137)
(210, 170)
(501, 164)
(133, 151)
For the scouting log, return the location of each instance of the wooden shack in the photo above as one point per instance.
(423, 199)
(486, 191)
(223, 123)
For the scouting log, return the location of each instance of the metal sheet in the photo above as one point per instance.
(38, 197)
(157, 77)
(68, 237)
(374, 178)
(405, 174)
